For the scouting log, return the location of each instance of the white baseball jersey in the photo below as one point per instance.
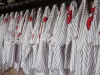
(82, 30)
(97, 44)
(2, 38)
(4, 53)
(58, 40)
(27, 50)
(23, 31)
(48, 33)
(19, 46)
(34, 36)
(8, 41)
(22, 24)
(92, 24)
(37, 25)
(18, 26)
(41, 60)
(72, 19)
(11, 29)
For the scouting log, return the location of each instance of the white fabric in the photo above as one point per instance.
(27, 50)
(70, 51)
(82, 35)
(57, 41)
(41, 60)
(2, 32)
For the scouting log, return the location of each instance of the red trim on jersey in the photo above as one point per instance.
(16, 27)
(30, 19)
(99, 32)
(90, 19)
(69, 16)
(19, 16)
(14, 35)
(68, 7)
(17, 21)
(45, 19)
(19, 34)
(33, 36)
(40, 35)
(5, 20)
(10, 17)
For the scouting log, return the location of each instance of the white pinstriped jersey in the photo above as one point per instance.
(18, 38)
(44, 22)
(11, 29)
(34, 36)
(19, 47)
(47, 30)
(22, 24)
(41, 60)
(72, 18)
(97, 44)
(97, 39)
(37, 26)
(27, 51)
(1, 38)
(92, 24)
(5, 21)
(18, 26)
(50, 25)
(81, 48)
(21, 36)
(59, 33)
(48, 33)
(9, 39)
(88, 52)
(57, 41)
(21, 31)
(8, 42)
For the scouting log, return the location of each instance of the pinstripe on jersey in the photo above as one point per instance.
(69, 39)
(1, 38)
(27, 51)
(58, 40)
(41, 61)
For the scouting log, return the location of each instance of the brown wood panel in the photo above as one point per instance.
(11, 72)
(29, 4)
